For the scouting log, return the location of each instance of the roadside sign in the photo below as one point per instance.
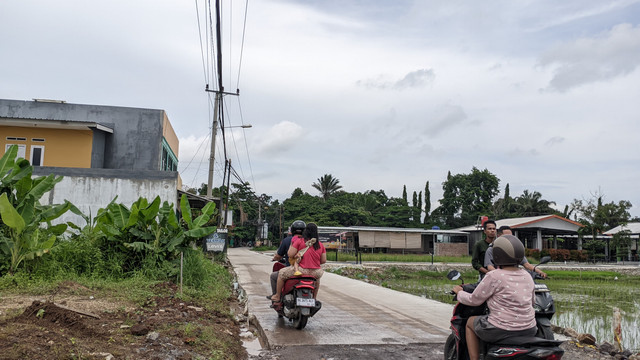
(216, 242)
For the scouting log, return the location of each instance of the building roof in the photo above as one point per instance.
(58, 124)
(633, 228)
(391, 229)
(548, 223)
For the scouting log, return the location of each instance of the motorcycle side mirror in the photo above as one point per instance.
(545, 259)
(453, 275)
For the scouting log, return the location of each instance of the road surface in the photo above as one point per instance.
(355, 315)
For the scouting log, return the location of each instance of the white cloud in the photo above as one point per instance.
(587, 60)
(380, 95)
(415, 79)
(284, 136)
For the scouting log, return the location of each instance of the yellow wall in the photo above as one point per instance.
(62, 148)
(170, 135)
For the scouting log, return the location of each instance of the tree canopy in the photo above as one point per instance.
(465, 198)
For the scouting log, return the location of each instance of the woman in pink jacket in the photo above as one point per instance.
(509, 293)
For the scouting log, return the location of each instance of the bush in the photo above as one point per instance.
(532, 253)
(579, 255)
(559, 254)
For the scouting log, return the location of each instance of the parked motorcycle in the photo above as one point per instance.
(542, 346)
(298, 304)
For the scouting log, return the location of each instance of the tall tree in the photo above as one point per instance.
(532, 204)
(418, 219)
(599, 217)
(415, 210)
(427, 203)
(466, 196)
(404, 194)
(327, 185)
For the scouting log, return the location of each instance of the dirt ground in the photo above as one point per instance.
(71, 323)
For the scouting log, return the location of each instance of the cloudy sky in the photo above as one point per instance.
(380, 94)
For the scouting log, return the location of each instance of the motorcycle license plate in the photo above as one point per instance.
(305, 302)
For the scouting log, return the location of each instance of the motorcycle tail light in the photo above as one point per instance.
(548, 354)
(553, 357)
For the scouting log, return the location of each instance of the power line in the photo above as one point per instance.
(244, 28)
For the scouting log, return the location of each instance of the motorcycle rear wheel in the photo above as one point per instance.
(450, 349)
(300, 322)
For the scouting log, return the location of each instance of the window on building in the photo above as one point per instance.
(169, 161)
(37, 155)
(22, 149)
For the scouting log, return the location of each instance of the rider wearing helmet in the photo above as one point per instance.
(296, 229)
(509, 293)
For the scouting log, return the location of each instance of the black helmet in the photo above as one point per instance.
(298, 227)
(507, 250)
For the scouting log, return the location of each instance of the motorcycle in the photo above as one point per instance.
(298, 303)
(541, 346)
(544, 305)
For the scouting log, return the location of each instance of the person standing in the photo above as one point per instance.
(480, 248)
(488, 256)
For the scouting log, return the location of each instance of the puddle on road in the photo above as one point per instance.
(250, 342)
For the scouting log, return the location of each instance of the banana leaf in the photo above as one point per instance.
(200, 232)
(186, 211)
(10, 216)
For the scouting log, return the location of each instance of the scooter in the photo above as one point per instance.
(298, 303)
(541, 346)
(544, 305)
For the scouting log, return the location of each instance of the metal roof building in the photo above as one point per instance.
(398, 240)
(532, 230)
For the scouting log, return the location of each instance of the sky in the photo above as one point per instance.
(380, 94)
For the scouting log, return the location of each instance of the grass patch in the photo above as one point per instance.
(410, 258)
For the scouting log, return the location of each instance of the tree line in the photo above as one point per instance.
(465, 198)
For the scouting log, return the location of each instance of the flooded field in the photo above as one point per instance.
(589, 309)
(584, 301)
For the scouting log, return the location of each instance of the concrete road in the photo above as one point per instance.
(353, 312)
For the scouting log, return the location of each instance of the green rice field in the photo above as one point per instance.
(585, 301)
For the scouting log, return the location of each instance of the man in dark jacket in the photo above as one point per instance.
(281, 253)
(480, 247)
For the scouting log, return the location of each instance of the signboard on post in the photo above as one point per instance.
(216, 241)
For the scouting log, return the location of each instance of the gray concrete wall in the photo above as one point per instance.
(92, 189)
(97, 149)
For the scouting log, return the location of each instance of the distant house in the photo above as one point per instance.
(102, 151)
(537, 232)
(394, 240)
(633, 230)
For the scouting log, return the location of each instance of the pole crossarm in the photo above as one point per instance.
(222, 92)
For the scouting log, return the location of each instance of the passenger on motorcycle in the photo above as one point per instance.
(297, 227)
(488, 256)
(509, 293)
(311, 262)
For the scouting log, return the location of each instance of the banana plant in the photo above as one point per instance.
(24, 235)
(196, 228)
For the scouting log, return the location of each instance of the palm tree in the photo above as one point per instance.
(327, 185)
(532, 204)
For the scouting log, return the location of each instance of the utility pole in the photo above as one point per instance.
(217, 102)
(212, 156)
